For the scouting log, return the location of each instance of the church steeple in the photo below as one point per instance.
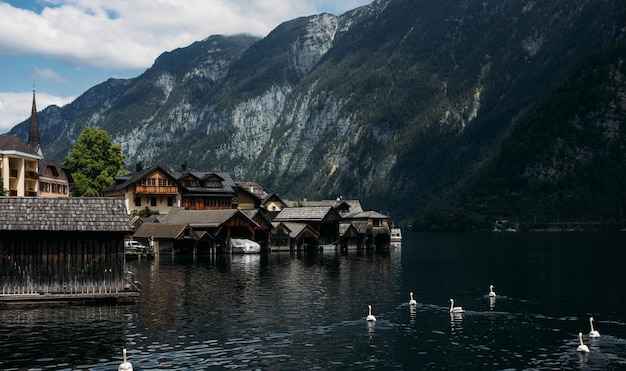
(34, 140)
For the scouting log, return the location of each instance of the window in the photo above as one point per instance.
(165, 182)
(213, 184)
(153, 201)
(137, 200)
(170, 201)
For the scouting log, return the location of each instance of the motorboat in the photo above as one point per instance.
(244, 246)
(396, 235)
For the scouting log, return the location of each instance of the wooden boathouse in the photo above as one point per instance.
(63, 250)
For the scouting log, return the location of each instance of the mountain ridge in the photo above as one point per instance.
(402, 104)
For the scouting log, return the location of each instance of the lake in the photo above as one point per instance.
(296, 311)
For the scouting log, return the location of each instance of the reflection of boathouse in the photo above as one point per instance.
(62, 249)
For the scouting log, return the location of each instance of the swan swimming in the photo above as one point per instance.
(125, 366)
(454, 309)
(582, 347)
(593, 333)
(370, 317)
(412, 301)
(491, 292)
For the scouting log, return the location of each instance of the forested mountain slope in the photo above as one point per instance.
(404, 104)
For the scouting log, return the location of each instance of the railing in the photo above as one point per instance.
(164, 190)
(31, 174)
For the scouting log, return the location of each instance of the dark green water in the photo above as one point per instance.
(284, 311)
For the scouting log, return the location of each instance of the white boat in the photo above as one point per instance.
(396, 235)
(328, 246)
(244, 246)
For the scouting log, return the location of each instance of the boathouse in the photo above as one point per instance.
(323, 219)
(63, 249)
(221, 225)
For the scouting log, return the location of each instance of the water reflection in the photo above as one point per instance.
(285, 311)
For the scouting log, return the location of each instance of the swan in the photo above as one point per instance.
(370, 317)
(582, 347)
(454, 309)
(412, 301)
(491, 292)
(125, 366)
(593, 333)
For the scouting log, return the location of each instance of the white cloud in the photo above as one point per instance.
(76, 36)
(131, 34)
(16, 107)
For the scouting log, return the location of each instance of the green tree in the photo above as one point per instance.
(94, 161)
(3, 191)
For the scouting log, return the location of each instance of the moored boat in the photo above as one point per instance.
(244, 246)
(396, 235)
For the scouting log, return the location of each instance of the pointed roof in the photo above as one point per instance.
(34, 140)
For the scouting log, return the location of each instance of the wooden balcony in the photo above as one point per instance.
(156, 190)
(29, 174)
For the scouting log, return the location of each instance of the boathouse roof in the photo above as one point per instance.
(83, 214)
(204, 218)
(163, 230)
(304, 214)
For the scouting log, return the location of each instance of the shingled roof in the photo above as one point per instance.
(163, 230)
(97, 214)
(304, 214)
(203, 218)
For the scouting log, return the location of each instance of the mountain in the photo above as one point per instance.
(405, 104)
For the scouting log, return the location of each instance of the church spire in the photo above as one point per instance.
(34, 141)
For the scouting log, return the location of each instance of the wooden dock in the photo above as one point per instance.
(125, 297)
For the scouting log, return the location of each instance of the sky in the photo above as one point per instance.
(61, 48)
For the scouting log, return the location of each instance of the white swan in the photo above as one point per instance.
(582, 347)
(412, 301)
(491, 292)
(454, 309)
(370, 317)
(125, 366)
(593, 333)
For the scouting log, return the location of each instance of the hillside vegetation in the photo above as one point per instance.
(460, 111)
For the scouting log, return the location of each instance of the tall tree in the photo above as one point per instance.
(94, 162)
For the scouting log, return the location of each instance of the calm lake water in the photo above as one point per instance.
(283, 311)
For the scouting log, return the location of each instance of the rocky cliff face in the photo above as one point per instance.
(400, 103)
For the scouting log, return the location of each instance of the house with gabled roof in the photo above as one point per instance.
(323, 219)
(206, 190)
(23, 169)
(153, 188)
(62, 249)
(273, 204)
(19, 166)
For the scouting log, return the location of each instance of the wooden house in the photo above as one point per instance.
(206, 190)
(152, 188)
(62, 249)
(273, 204)
(324, 219)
